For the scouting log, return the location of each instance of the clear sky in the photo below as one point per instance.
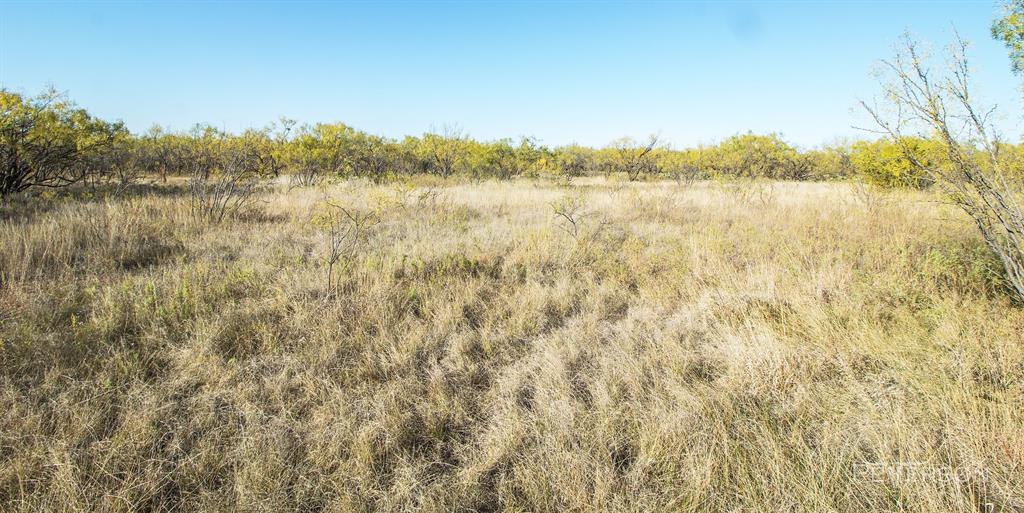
(585, 72)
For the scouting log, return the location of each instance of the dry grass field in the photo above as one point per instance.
(784, 347)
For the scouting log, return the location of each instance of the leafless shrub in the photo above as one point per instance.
(574, 218)
(347, 231)
(408, 196)
(428, 197)
(307, 174)
(411, 199)
(226, 189)
(569, 210)
(971, 172)
(764, 192)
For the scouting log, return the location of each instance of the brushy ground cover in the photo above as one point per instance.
(685, 348)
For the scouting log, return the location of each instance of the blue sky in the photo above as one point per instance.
(585, 72)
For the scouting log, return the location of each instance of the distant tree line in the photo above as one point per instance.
(47, 141)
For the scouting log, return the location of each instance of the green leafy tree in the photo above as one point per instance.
(371, 155)
(503, 159)
(573, 161)
(891, 164)
(317, 150)
(830, 162)
(159, 152)
(445, 153)
(756, 156)
(633, 158)
(1010, 30)
(47, 141)
(681, 166)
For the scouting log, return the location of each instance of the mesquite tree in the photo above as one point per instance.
(46, 141)
(634, 158)
(924, 103)
(444, 153)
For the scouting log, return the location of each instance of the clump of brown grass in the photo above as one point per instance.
(94, 237)
(701, 353)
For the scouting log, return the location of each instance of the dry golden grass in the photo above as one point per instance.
(803, 348)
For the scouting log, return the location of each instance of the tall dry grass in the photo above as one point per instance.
(690, 349)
